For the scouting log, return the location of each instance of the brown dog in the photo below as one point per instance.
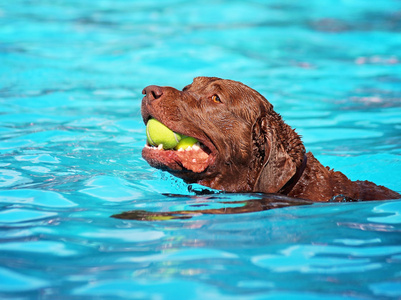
(245, 145)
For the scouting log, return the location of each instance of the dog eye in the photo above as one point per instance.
(216, 99)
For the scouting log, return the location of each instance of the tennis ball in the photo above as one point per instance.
(157, 134)
(186, 142)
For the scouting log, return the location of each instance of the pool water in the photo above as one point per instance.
(71, 76)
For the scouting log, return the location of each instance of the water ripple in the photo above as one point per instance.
(9, 178)
(127, 235)
(48, 199)
(110, 189)
(19, 215)
(390, 210)
(11, 281)
(325, 259)
(182, 255)
(40, 247)
(39, 158)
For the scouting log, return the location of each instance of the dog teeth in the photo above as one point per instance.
(194, 147)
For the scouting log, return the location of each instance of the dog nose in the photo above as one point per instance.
(152, 92)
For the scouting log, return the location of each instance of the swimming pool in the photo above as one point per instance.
(72, 73)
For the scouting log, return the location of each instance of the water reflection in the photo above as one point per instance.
(215, 204)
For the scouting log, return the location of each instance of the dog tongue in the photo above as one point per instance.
(195, 160)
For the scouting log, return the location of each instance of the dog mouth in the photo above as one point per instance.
(195, 158)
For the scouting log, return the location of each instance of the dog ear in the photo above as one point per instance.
(275, 166)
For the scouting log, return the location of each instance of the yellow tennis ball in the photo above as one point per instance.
(157, 134)
(186, 142)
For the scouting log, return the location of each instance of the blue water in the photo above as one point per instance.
(71, 76)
